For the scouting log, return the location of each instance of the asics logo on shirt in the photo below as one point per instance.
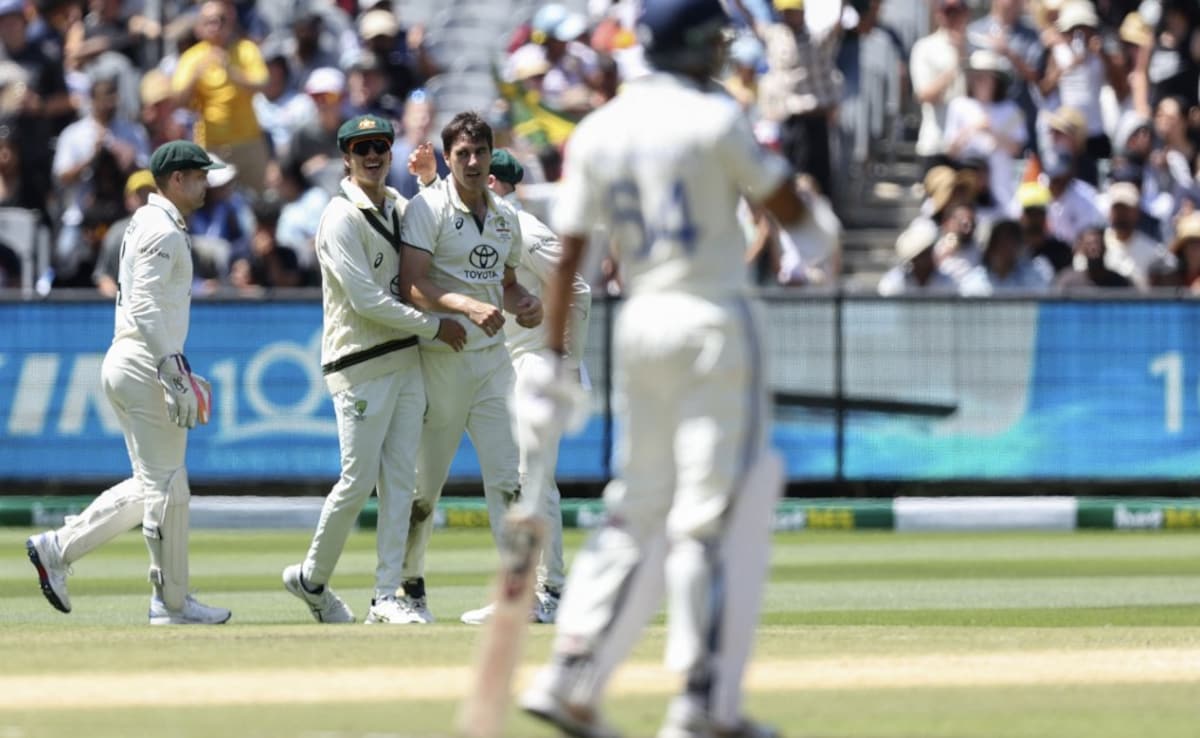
(378, 260)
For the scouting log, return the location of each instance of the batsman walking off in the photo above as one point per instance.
(156, 396)
(663, 166)
(372, 368)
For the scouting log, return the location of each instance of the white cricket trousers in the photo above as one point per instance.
(690, 398)
(468, 391)
(379, 428)
(538, 460)
(156, 447)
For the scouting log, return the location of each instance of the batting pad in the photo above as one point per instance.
(118, 509)
(165, 527)
(745, 557)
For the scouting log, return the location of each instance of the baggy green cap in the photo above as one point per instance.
(363, 126)
(175, 156)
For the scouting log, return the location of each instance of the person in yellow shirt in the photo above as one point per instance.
(218, 77)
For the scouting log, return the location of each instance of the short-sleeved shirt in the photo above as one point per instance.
(663, 165)
(226, 110)
(468, 259)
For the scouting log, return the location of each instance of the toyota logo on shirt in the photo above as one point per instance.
(484, 258)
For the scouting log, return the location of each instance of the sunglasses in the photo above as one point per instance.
(378, 145)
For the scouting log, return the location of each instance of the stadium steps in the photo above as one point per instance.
(884, 197)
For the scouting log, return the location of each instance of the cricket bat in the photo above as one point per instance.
(484, 710)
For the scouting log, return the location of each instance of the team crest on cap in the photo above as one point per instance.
(365, 123)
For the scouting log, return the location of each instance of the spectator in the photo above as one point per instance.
(225, 215)
(314, 145)
(1177, 151)
(10, 268)
(1034, 197)
(161, 115)
(1127, 251)
(1004, 266)
(812, 254)
(269, 265)
(46, 106)
(108, 27)
(1077, 68)
(956, 251)
(1147, 223)
(745, 58)
(936, 69)
(15, 191)
(48, 31)
(1174, 66)
(281, 108)
(801, 89)
(1137, 43)
(564, 87)
(303, 202)
(987, 123)
(218, 78)
(944, 187)
(917, 271)
(1089, 271)
(308, 45)
(367, 89)
(416, 129)
(94, 156)
(402, 53)
(1002, 31)
(1186, 248)
(1073, 201)
(137, 193)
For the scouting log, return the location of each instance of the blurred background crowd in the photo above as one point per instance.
(1055, 143)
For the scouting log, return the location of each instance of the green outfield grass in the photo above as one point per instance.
(867, 634)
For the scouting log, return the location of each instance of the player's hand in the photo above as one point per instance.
(451, 333)
(529, 312)
(486, 316)
(550, 397)
(187, 398)
(422, 164)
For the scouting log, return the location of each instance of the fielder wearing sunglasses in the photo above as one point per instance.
(377, 145)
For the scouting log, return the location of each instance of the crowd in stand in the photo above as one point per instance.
(1067, 137)
(1059, 138)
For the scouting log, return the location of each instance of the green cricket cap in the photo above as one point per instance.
(506, 168)
(175, 156)
(363, 126)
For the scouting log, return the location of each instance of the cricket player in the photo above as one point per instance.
(461, 251)
(663, 165)
(156, 396)
(373, 370)
(540, 253)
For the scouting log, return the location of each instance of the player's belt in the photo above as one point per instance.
(359, 357)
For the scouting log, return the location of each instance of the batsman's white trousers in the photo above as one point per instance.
(156, 447)
(379, 429)
(692, 407)
(538, 460)
(468, 391)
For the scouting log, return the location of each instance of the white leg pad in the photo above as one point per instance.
(165, 527)
(745, 556)
(117, 510)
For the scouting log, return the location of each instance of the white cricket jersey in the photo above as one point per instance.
(662, 165)
(154, 293)
(540, 253)
(366, 323)
(467, 259)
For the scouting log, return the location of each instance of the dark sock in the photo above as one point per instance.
(303, 585)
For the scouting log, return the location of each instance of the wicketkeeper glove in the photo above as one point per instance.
(189, 396)
(552, 397)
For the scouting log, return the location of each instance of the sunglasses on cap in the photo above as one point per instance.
(378, 145)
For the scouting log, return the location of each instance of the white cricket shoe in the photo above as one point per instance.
(325, 606)
(193, 613)
(545, 609)
(46, 556)
(412, 597)
(395, 611)
(543, 701)
(687, 719)
(480, 616)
